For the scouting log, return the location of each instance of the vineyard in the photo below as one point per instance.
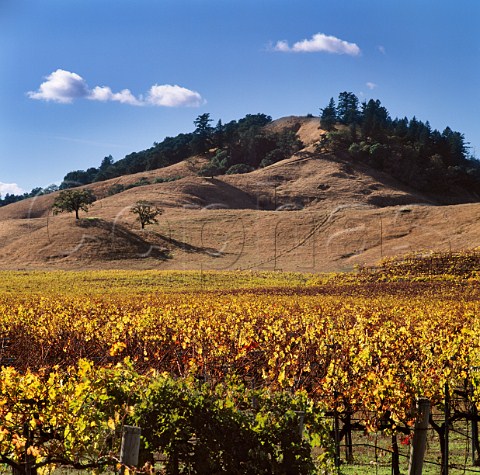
(236, 372)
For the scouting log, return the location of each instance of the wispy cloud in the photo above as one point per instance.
(319, 43)
(84, 141)
(105, 94)
(382, 49)
(11, 188)
(64, 87)
(371, 85)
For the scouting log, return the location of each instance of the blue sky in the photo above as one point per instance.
(83, 79)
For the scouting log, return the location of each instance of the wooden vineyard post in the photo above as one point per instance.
(301, 420)
(347, 425)
(419, 442)
(395, 455)
(446, 434)
(130, 447)
(474, 422)
(336, 432)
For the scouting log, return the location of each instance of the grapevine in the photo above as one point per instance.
(366, 344)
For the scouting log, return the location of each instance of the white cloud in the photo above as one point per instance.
(61, 86)
(382, 49)
(173, 96)
(104, 94)
(11, 188)
(371, 85)
(319, 43)
(282, 46)
(64, 87)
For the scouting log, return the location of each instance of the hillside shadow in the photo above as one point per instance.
(234, 194)
(190, 248)
(124, 243)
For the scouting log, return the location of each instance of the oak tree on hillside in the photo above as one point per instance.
(73, 200)
(146, 212)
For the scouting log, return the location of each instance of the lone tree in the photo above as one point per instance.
(146, 212)
(73, 200)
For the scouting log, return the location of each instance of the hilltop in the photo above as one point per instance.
(315, 210)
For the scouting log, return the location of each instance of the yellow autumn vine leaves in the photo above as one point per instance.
(364, 349)
(55, 416)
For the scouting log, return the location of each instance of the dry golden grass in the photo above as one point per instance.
(343, 214)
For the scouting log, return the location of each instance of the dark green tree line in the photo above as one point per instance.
(426, 159)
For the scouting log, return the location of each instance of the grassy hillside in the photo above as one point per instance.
(314, 211)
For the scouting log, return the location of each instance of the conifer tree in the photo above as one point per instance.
(328, 118)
